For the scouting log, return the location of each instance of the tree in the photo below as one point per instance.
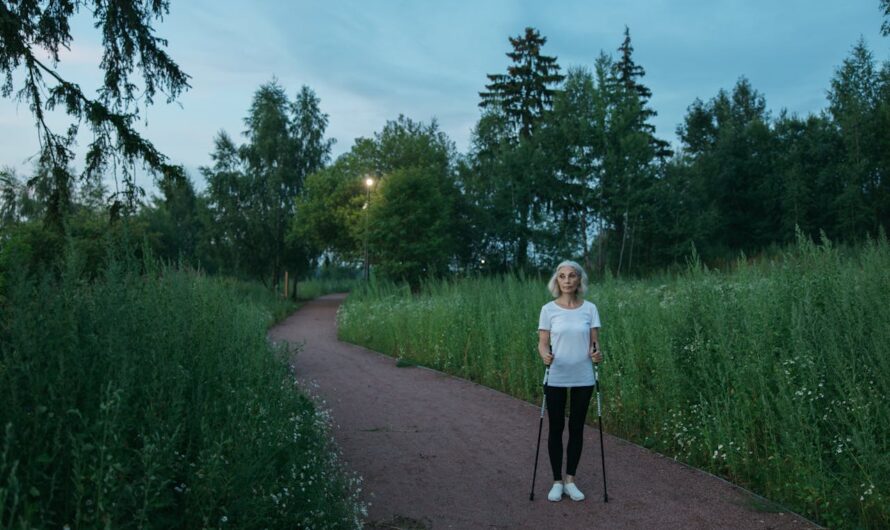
(885, 27)
(252, 188)
(808, 155)
(405, 143)
(525, 92)
(19, 202)
(855, 102)
(273, 179)
(308, 126)
(331, 212)
(410, 226)
(731, 146)
(683, 215)
(175, 223)
(129, 44)
(520, 98)
(573, 136)
(628, 74)
(226, 191)
(631, 149)
(489, 189)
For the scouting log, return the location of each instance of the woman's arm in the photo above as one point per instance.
(595, 354)
(544, 346)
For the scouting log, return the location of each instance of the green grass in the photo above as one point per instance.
(774, 375)
(309, 289)
(276, 306)
(153, 400)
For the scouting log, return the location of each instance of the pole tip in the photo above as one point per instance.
(531, 497)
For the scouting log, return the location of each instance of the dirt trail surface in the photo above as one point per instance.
(436, 451)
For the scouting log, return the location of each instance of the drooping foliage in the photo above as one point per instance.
(136, 68)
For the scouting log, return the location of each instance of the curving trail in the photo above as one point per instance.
(440, 452)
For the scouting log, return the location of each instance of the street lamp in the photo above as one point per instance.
(369, 183)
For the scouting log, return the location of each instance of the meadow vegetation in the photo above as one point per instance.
(150, 397)
(773, 375)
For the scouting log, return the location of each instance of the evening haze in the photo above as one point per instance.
(369, 62)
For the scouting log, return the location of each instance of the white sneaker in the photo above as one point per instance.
(555, 494)
(572, 491)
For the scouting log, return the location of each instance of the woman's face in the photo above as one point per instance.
(568, 280)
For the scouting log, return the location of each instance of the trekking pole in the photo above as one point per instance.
(531, 495)
(599, 413)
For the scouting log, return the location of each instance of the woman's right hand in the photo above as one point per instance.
(544, 346)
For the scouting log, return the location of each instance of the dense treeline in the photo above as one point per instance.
(593, 181)
(569, 165)
(559, 165)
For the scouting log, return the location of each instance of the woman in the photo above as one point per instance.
(568, 333)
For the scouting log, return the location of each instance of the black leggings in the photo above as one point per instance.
(556, 416)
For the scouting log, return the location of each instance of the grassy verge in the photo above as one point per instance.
(774, 376)
(154, 400)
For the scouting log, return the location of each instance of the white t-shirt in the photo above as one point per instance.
(570, 343)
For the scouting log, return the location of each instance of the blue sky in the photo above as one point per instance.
(371, 60)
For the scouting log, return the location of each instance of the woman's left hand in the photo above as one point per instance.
(596, 356)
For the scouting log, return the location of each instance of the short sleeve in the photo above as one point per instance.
(544, 319)
(594, 317)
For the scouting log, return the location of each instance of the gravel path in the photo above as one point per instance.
(436, 451)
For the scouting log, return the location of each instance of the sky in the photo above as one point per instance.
(371, 60)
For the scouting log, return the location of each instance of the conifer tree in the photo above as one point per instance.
(521, 97)
(628, 75)
(631, 149)
(30, 28)
(885, 27)
(525, 92)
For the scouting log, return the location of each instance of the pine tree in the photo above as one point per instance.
(631, 149)
(521, 97)
(525, 92)
(628, 75)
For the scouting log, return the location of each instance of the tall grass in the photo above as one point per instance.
(774, 376)
(153, 400)
(276, 306)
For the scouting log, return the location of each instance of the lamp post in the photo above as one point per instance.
(369, 182)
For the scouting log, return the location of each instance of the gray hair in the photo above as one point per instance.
(553, 286)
